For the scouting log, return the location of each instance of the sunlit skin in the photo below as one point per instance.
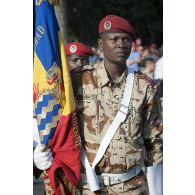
(116, 48)
(76, 62)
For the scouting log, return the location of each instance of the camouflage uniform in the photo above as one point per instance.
(138, 140)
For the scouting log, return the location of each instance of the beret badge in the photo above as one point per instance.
(73, 48)
(107, 25)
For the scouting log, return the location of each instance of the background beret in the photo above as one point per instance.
(77, 48)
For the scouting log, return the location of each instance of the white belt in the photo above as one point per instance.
(110, 179)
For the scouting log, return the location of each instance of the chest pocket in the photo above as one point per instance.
(88, 114)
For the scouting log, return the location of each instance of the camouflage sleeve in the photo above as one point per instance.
(152, 127)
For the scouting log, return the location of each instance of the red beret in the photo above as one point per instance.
(77, 48)
(112, 23)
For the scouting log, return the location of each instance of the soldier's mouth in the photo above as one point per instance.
(52, 80)
(120, 53)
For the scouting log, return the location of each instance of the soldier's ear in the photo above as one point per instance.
(100, 44)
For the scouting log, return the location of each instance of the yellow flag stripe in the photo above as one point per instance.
(69, 96)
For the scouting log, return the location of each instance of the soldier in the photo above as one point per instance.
(119, 117)
(98, 91)
(77, 55)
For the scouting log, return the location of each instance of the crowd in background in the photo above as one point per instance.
(147, 59)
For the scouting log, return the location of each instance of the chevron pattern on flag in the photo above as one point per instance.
(47, 110)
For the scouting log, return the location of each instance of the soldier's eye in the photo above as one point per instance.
(113, 39)
(128, 39)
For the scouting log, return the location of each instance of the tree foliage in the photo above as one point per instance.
(146, 16)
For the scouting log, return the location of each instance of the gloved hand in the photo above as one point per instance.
(42, 160)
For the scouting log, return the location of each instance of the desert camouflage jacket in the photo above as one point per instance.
(138, 140)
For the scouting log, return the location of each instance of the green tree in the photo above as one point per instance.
(83, 16)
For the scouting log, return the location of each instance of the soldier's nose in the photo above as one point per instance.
(121, 43)
(79, 62)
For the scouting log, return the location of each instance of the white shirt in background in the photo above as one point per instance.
(158, 72)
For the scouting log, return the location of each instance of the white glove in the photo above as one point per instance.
(43, 160)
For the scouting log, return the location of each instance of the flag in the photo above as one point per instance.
(54, 105)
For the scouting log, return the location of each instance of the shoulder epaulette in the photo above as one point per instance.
(141, 75)
(87, 67)
(151, 81)
(83, 69)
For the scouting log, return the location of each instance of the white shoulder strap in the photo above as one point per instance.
(119, 118)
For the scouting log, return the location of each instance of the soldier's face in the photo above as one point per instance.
(116, 47)
(76, 61)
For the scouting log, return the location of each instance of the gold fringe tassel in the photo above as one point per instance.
(64, 183)
(54, 2)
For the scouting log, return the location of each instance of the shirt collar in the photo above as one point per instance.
(103, 76)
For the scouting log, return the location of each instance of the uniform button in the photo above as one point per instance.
(119, 137)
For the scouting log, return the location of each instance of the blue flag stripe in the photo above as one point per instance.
(43, 103)
(46, 138)
(46, 35)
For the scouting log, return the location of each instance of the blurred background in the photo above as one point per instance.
(79, 19)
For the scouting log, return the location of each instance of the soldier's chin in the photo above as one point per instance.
(120, 60)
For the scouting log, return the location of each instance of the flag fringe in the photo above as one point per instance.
(54, 2)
